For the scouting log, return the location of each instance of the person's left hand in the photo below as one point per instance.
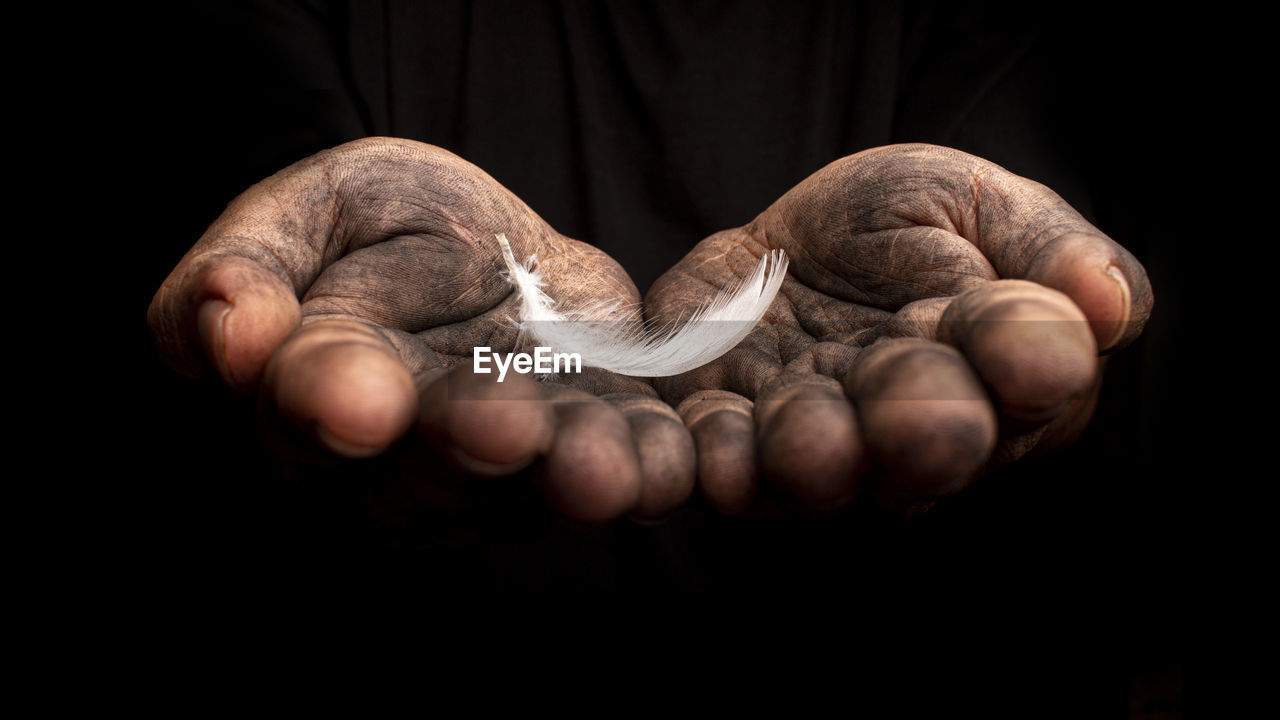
(941, 316)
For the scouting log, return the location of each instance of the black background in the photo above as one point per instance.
(1085, 549)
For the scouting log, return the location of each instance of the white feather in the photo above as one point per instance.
(629, 346)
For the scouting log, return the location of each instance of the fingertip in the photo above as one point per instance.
(490, 428)
(356, 395)
(211, 318)
(926, 419)
(1033, 370)
(666, 454)
(592, 474)
(244, 314)
(367, 408)
(1100, 291)
(1094, 272)
(932, 449)
(808, 443)
(723, 432)
(667, 464)
(1109, 328)
(726, 460)
(1029, 344)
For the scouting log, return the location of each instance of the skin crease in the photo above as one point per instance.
(348, 289)
(960, 307)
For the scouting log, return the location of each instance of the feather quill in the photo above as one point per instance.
(630, 346)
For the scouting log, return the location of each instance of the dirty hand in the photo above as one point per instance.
(941, 316)
(349, 291)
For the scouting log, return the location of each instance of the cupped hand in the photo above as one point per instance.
(941, 316)
(350, 289)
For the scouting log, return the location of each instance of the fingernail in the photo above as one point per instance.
(211, 321)
(344, 448)
(484, 468)
(1117, 333)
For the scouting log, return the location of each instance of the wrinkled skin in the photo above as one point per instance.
(349, 289)
(941, 316)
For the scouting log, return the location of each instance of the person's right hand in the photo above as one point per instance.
(350, 289)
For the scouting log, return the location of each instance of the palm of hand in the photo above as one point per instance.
(352, 288)
(918, 340)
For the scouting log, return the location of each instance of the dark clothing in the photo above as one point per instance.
(643, 128)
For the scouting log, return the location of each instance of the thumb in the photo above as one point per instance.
(233, 297)
(226, 318)
(1029, 232)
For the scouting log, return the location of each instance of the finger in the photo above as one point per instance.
(592, 472)
(665, 451)
(723, 433)
(807, 440)
(232, 299)
(926, 419)
(890, 225)
(489, 428)
(340, 384)
(1030, 345)
(1029, 232)
(226, 318)
(1102, 278)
